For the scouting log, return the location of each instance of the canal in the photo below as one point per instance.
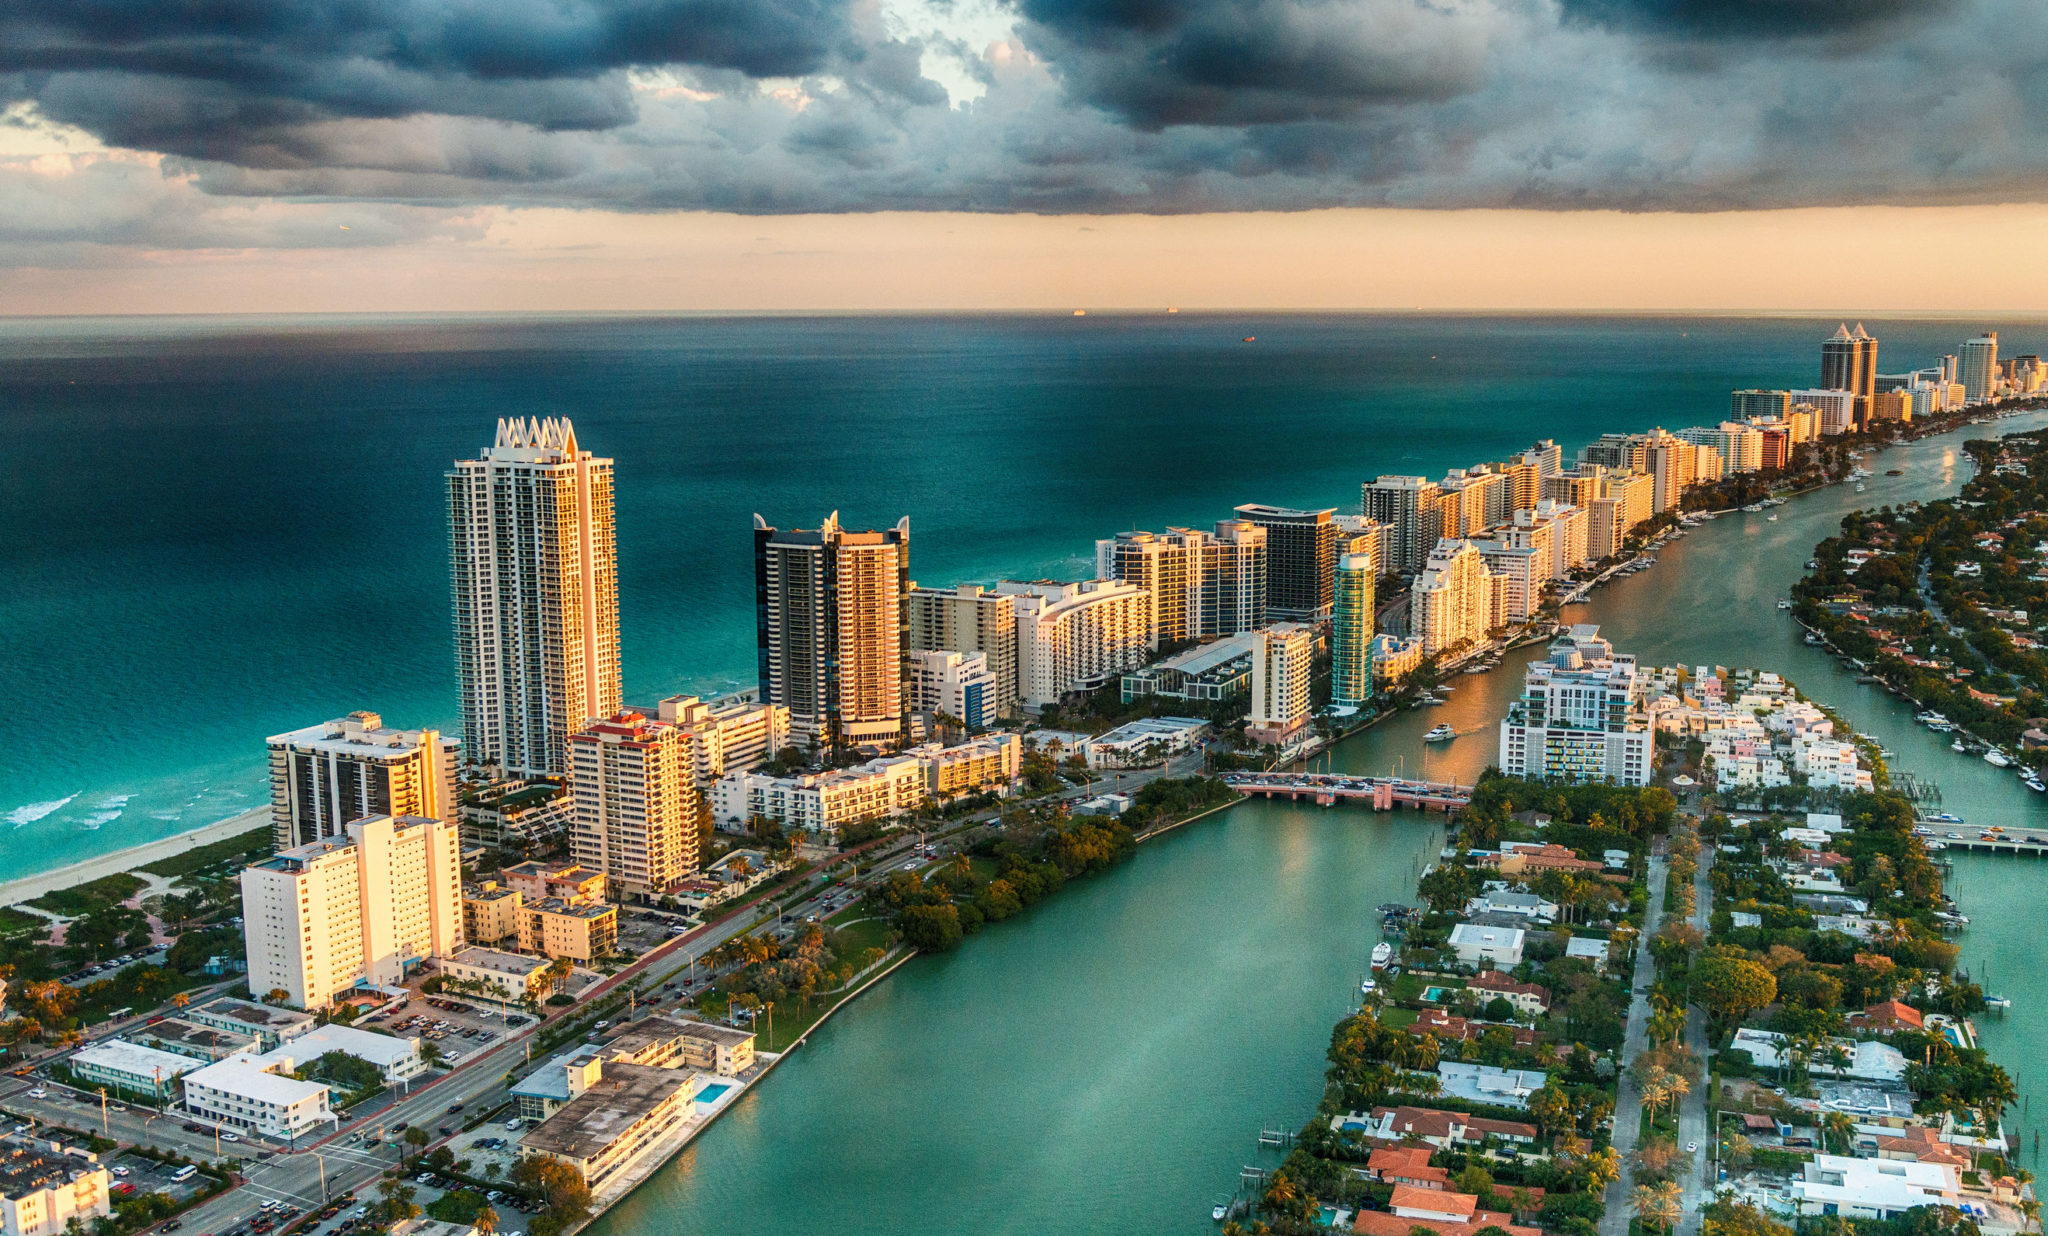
(1104, 1062)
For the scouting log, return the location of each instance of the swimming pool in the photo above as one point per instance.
(713, 1092)
(1437, 994)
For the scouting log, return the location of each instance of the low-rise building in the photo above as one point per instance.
(1482, 1083)
(989, 762)
(1522, 905)
(549, 1088)
(1408, 1165)
(1443, 1129)
(46, 1186)
(1394, 658)
(1144, 741)
(1873, 1188)
(270, 1025)
(1434, 1210)
(397, 1059)
(715, 1049)
(1206, 674)
(622, 1112)
(1860, 1059)
(187, 1038)
(514, 813)
(1489, 946)
(490, 914)
(497, 976)
(578, 931)
(1528, 999)
(133, 1069)
(571, 882)
(262, 1098)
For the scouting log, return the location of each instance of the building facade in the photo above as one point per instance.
(1076, 636)
(1977, 367)
(1580, 717)
(635, 786)
(832, 626)
(1283, 661)
(953, 684)
(534, 558)
(970, 618)
(1300, 560)
(1351, 631)
(1408, 507)
(1456, 600)
(324, 777)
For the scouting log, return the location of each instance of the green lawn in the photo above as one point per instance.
(854, 940)
(251, 845)
(13, 922)
(85, 898)
(1398, 1018)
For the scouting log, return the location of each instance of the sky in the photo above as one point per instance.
(333, 155)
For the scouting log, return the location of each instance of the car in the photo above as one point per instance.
(124, 1189)
(455, 1107)
(910, 866)
(447, 1130)
(120, 1171)
(231, 1137)
(38, 1092)
(1692, 1148)
(1955, 836)
(174, 1225)
(424, 1178)
(400, 1127)
(602, 1024)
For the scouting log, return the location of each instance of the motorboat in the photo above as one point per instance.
(1382, 955)
(2001, 1003)
(1997, 758)
(1957, 745)
(1367, 987)
(1895, 472)
(2033, 782)
(1442, 733)
(1860, 487)
(1813, 564)
(1784, 605)
(1813, 638)
(1944, 817)
(1772, 517)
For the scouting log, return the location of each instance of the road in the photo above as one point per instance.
(1628, 1103)
(1692, 1109)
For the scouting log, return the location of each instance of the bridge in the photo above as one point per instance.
(1329, 789)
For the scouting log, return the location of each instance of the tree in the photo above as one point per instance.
(1732, 987)
(276, 995)
(1657, 1203)
(1552, 1108)
(486, 1221)
(416, 1137)
(931, 929)
(1725, 1216)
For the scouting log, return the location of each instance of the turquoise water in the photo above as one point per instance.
(713, 1092)
(215, 529)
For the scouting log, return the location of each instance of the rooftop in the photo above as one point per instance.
(134, 1058)
(593, 1120)
(725, 1036)
(551, 1080)
(31, 1168)
(245, 1076)
(260, 1016)
(382, 1050)
(495, 959)
(199, 1038)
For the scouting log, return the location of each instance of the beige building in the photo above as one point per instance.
(1198, 584)
(731, 735)
(1456, 600)
(636, 804)
(490, 914)
(834, 627)
(821, 803)
(979, 764)
(534, 556)
(322, 918)
(325, 776)
(622, 1111)
(1283, 658)
(570, 882)
(577, 927)
(970, 619)
(46, 1185)
(1411, 510)
(504, 978)
(1073, 637)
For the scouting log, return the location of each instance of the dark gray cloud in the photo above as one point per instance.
(1076, 106)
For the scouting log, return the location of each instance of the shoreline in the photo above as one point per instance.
(29, 887)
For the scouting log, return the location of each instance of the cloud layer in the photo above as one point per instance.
(1167, 106)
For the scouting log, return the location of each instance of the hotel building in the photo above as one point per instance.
(1300, 560)
(1351, 631)
(534, 560)
(635, 786)
(325, 776)
(1456, 599)
(360, 910)
(833, 627)
(1076, 636)
(954, 684)
(970, 619)
(1283, 657)
(1409, 508)
(1200, 584)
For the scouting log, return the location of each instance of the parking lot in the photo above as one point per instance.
(134, 1174)
(641, 929)
(458, 1028)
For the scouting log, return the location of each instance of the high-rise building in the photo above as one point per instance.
(1547, 457)
(953, 684)
(534, 560)
(1519, 573)
(1977, 367)
(1477, 497)
(1076, 636)
(1580, 717)
(1299, 562)
(1577, 487)
(324, 777)
(970, 618)
(362, 909)
(1568, 530)
(1673, 465)
(1201, 584)
(1456, 600)
(1848, 362)
(1833, 411)
(832, 624)
(1407, 507)
(1283, 656)
(1740, 446)
(637, 804)
(1751, 403)
(1351, 630)
(728, 735)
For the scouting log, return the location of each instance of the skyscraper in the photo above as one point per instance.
(1408, 507)
(1283, 656)
(325, 777)
(1977, 367)
(1744, 404)
(1200, 584)
(832, 624)
(1299, 564)
(1848, 362)
(534, 560)
(1351, 623)
(636, 803)
(970, 619)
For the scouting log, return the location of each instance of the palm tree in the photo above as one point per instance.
(486, 1221)
(1657, 1203)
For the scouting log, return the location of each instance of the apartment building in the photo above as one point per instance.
(1300, 560)
(1076, 636)
(1456, 600)
(325, 776)
(953, 684)
(515, 813)
(993, 761)
(1580, 717)
(1351, 631)
(636, 797)
(534, 558)
(1520, 571)
(1834, 411)
(1409, 508)
(1283, 658)
(47, 1187)
(364, 909)
(258, 1095)
(729, 735)
(970, 618)
(821, 803)
(833, 625)
(1200, 584)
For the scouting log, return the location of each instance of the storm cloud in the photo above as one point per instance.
(769, 106)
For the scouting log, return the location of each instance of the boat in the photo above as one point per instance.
(1812, 564)
(1772, 517)
(1784, 605)
(1957, 745)
(1367, 987)
(1944, 817)
(1813, 638)
(2034, 783)
(1997, 758)
(1859, 487)
(1895, 472)
(1220, 1211)
(1442, 733)
(2000, 1003)
(1382, 953)
(1937, 845)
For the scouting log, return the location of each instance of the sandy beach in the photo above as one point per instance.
(28, 888)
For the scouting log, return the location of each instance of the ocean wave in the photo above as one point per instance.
(31, 812)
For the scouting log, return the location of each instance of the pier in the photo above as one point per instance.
(1329, 789)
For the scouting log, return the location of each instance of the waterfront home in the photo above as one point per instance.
(1499, 900)
(1860, 1101)
(1528, 999)
(1521, 858)
(1482, 1083)
(137, 1070)
(1480, 945)
(1873, 1188)
(1447, 1027)
(1861, 1059)
(1434, 1210)
(1406, 1165)
(1441, 1129)
(1887, 1018)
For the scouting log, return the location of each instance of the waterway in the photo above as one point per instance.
(1103, 1063)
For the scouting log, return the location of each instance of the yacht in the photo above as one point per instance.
(1772, 517)
(1813, 564)
(1442, 733)
(1367, 987)
(1220, 1211)
(1382, 954)
(1784, 605)
(1997, 758)
(1957, 745)
(1813, 637)
(1944, 817)
(1859, 487)
(2033, 782)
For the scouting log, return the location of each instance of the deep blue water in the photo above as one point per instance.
(212, 529)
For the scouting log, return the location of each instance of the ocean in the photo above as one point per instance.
(216, 529)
